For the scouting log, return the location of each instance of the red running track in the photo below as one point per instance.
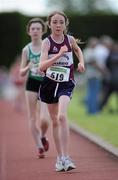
(18, 159)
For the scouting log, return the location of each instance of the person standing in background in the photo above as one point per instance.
(100, 55)
(111, 81)
(29, 66)
(92, 76)
(95, 55)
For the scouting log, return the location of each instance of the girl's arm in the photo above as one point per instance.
(79, 54)
(45, 62)
(25, 66)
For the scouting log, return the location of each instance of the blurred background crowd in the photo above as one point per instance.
(101, 59)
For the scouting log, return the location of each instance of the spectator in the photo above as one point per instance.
(111, 83)
(93, 75)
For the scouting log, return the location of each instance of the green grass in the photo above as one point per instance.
(104, 124)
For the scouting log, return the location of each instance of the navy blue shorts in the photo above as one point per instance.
(50, 91)
(33, 85)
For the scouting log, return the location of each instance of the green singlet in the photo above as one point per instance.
(35, 58)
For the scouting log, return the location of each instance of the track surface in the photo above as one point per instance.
(18, 159)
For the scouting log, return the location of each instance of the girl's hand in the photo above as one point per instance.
(81, 67)
(30, 65)
(40, 72)
(63, 50)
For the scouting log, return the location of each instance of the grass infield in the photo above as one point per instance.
(104, 124)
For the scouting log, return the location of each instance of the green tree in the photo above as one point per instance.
(82, 6)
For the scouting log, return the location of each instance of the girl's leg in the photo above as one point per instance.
(62, 116)
(44, 123)
(58, 114)
(31, 100)
(53, 110)
(44, 118)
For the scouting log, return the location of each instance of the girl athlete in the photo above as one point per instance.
(56, 89)
(29, 64)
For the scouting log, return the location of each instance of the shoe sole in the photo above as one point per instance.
(70, 168)
(62, 170)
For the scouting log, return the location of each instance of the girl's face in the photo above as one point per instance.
(57, 24)
(35, 30)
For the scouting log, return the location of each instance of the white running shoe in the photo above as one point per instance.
(59, 165)
(68, 164)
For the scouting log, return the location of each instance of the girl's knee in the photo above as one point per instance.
(44, 123)
(62, 118)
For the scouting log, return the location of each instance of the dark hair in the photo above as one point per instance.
(37, 20)
(60, 13)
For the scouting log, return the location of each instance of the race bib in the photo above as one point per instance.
(59, 74)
